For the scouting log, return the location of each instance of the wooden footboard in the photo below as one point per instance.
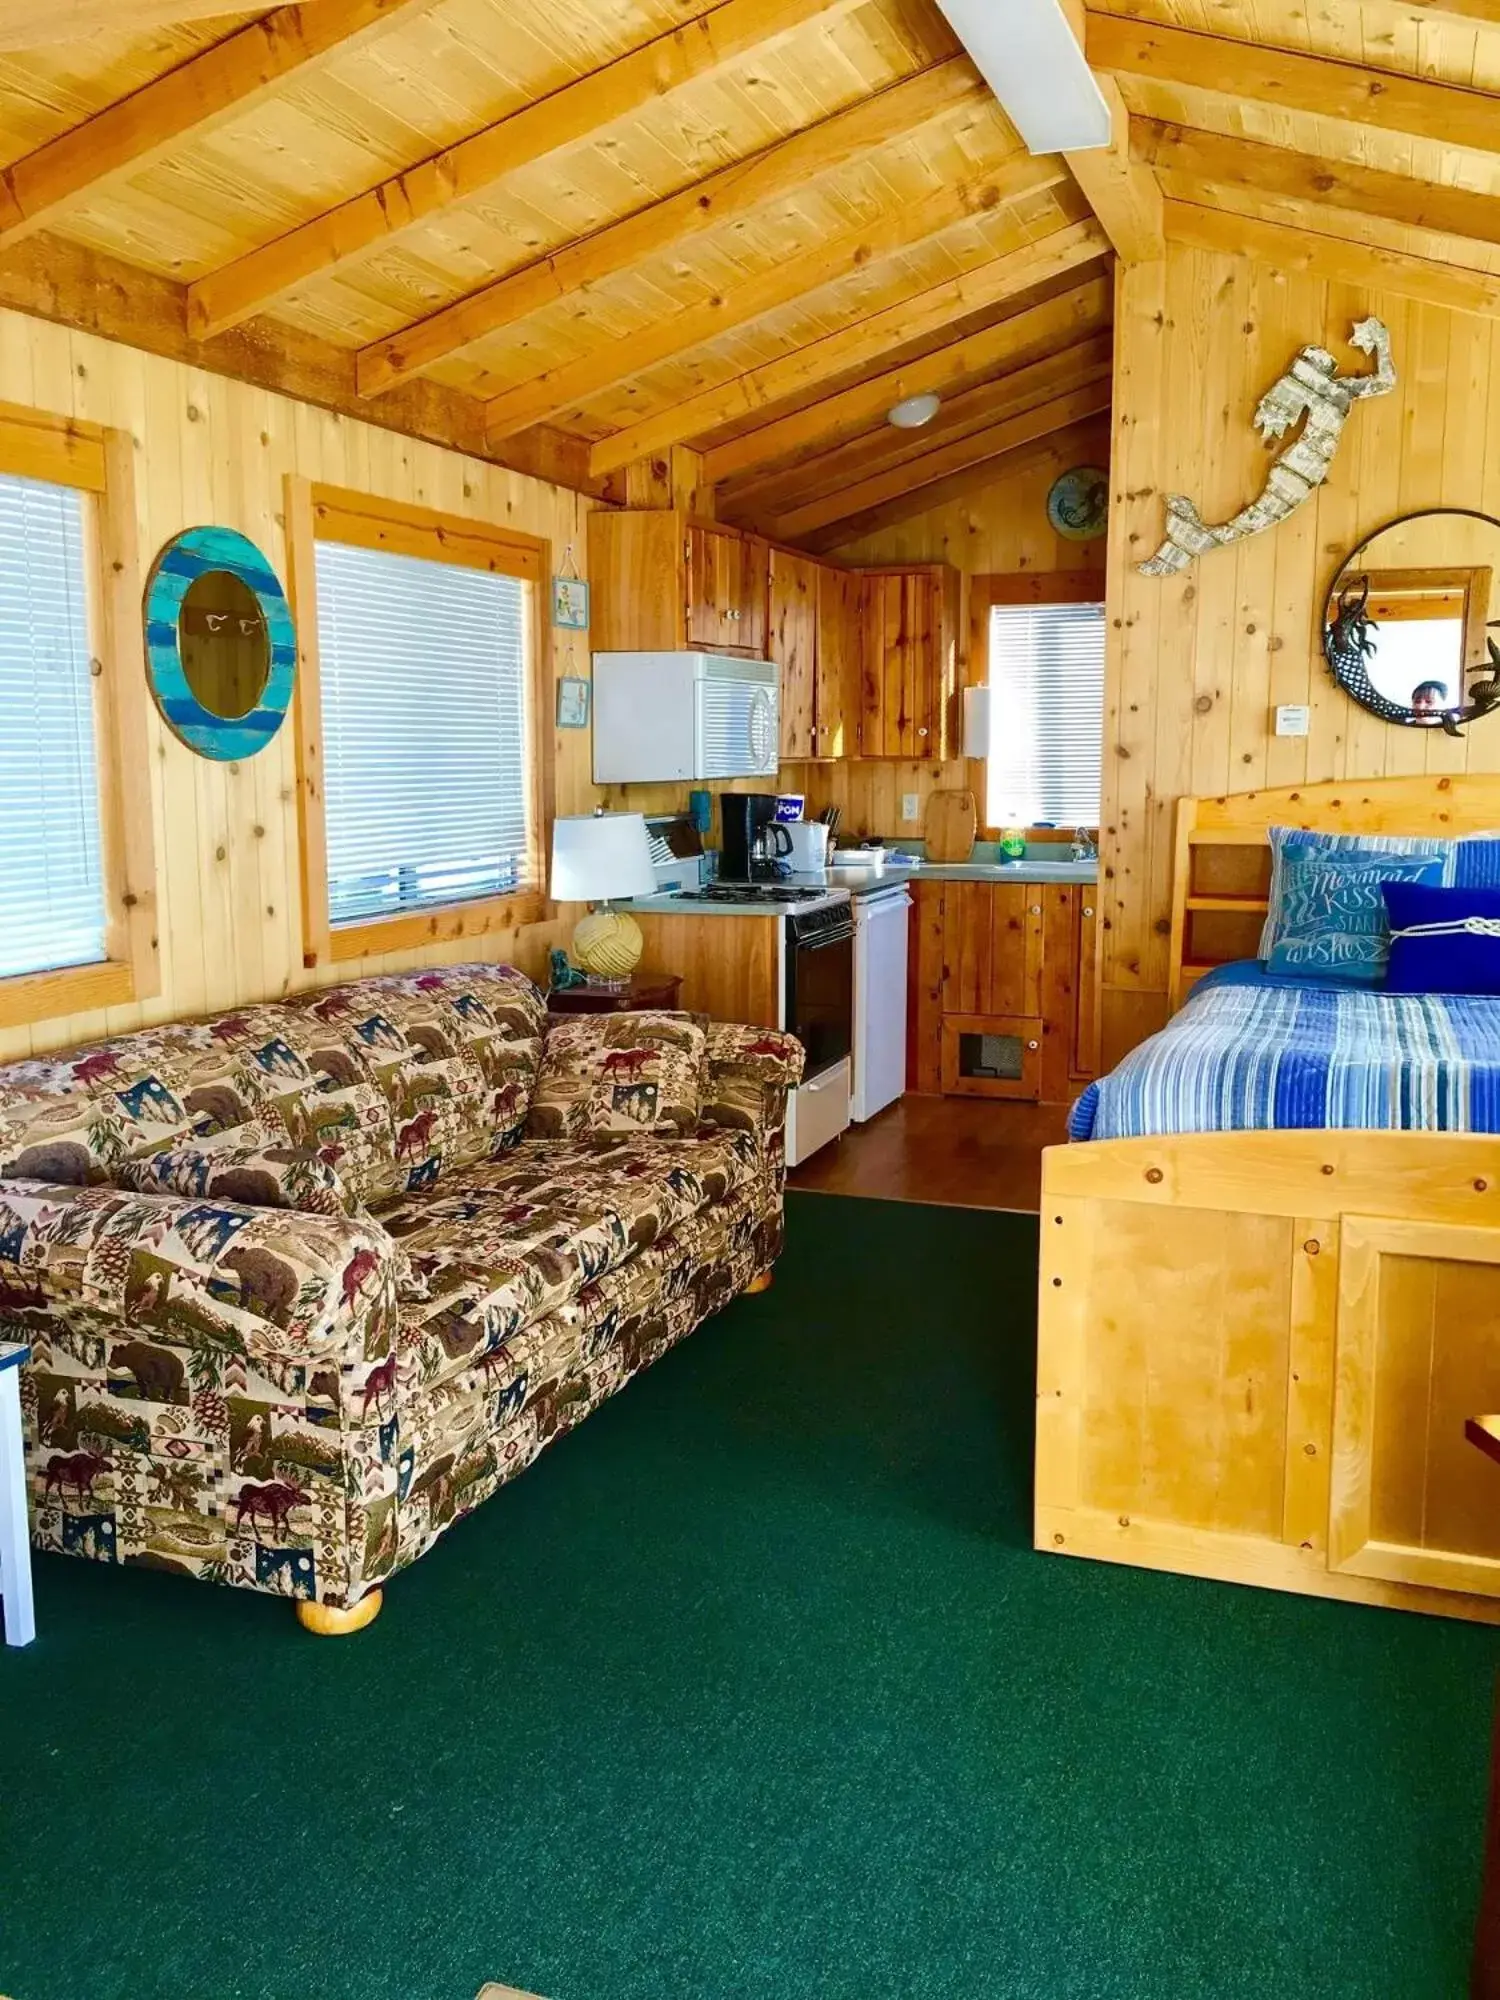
(1257, 1352)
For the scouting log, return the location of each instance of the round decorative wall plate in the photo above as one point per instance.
(221, 650)
(1078, 504)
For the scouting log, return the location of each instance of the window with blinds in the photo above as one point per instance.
(52, 910)
(1046, 714)
(426, 768)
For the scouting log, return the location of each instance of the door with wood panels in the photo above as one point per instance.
(838, 666)
(992, 949)
(792, 642)
(725, 580)
(992, 1055)
(1417, 1352)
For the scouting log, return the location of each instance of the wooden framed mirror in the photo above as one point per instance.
(221, 650)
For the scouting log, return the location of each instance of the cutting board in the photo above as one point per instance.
(948, 829)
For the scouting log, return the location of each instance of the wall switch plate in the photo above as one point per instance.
(910, 807)
(1292, 720)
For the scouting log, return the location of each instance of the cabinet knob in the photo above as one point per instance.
(1088, 909)
(1036, 909)
(921, 732)
(1033, 1045)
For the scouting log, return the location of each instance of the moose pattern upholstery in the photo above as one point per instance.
(281, 1340)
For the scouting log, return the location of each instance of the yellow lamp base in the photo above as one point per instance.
(608, 943)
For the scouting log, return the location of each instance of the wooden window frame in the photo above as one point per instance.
(335, 514)
(100, 462)
(1022, 586)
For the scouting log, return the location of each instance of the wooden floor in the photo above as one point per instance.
(958, 1150)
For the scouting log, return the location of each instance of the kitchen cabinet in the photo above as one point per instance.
(909, 661)
(839, 662)
(663, 581)
(1001, 990)
(792, 642)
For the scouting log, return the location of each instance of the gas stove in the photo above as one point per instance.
(751, 892)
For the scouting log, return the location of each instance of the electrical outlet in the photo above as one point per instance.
(910, 807)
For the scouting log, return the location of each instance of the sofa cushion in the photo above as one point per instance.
(455, 1051)
(74, 1119)
(504, 1242)
(619, 1074)
(262, 1176)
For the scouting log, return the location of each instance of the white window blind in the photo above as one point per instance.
(51, 878)
(1046, 714)
(425, 745)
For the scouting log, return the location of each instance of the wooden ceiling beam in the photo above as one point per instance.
(853, 346)
(776, 170)
(991, 441)
(32, 24)
(578, 110)
(1210, 159)
(1079, 442)
(1120, 189)
(1085, 364)
(54, 279)
(1055, 323)
(1317, 85)
(614, 361)
(218, 83)
(1291, 249)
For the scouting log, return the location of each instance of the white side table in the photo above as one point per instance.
(15, 1537)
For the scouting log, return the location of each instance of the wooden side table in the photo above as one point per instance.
(15, 1537)
(657, 990)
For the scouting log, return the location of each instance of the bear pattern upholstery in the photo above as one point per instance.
(299, 1401)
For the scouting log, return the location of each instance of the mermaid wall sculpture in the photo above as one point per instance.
(1311, 387)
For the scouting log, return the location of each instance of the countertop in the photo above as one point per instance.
(1046, 861)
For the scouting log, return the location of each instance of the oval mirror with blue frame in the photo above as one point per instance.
(221, 650)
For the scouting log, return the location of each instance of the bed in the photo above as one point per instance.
(1258, 1347)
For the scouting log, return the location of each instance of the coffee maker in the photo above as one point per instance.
(749, 845)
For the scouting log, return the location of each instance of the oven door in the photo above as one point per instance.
(820, 986)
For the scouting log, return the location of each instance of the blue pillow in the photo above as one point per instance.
(1469, 863)
(1460, 955)
(1332, 916)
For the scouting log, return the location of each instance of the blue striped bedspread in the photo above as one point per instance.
(1252, 1051)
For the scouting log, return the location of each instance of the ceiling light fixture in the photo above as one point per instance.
(1027, 53)
(913, 411)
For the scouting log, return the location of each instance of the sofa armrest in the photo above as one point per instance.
(273, 1284)
(749, 1073)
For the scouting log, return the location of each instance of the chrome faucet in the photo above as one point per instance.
(1084, 848)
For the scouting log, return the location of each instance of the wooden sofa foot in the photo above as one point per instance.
(329, 1621)
(760, 1284)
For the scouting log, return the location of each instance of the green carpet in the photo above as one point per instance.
(753, 1689)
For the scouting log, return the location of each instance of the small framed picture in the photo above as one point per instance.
(570, 603)
(573, 702)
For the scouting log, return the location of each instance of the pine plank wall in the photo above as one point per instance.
(216, 451)
(1198, 663)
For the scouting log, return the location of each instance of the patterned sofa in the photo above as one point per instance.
(305, 1283)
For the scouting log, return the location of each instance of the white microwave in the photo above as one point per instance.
(659, 716)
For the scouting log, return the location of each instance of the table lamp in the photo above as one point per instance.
(597, 857)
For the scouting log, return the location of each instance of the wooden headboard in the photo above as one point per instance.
(1223, 861)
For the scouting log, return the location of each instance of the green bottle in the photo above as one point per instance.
(1013, 843)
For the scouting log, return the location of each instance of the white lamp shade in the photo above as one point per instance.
(599, 856)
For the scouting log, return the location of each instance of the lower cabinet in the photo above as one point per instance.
(1001, 998)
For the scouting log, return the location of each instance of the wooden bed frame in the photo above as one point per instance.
(1257, 1350)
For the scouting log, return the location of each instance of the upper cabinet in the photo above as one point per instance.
(792, 626)
(868, 658)
(840, 650)
(910, 662)
(662, 581)
(726, 589)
